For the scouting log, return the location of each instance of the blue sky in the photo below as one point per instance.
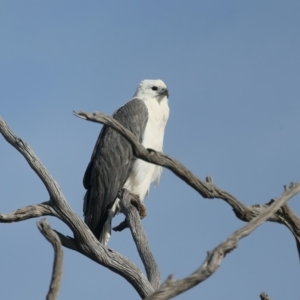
(233, 71)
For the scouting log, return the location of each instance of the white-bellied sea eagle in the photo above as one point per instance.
(113, 166)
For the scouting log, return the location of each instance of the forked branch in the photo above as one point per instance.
(85, 241)
(171, 288)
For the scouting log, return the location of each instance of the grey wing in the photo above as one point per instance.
(111, 163)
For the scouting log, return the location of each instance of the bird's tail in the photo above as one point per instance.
(106, 230)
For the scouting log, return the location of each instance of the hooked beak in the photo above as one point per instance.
(164, 92)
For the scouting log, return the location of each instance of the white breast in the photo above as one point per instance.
(144, 173)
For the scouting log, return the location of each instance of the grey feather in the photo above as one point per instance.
(110, 164)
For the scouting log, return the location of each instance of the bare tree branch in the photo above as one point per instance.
(149, 155)
(68, 241)
(50, 184)
(291, 221)
(172, 288)
(207, 189)
(86, 242)
(264, 296)
(283, 216)
(29, 212)
(140, 238)
(52, 237)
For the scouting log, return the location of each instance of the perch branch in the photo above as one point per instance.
(207, 189)
(140, 238)
(52, 237)
(86, 242)
(171, 288)
(149, 155)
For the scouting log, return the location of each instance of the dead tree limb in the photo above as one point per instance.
(207, 189)
(140, 238)
(29, 212)
(53, 238)
(86, 242)
(171, 288)
(291, 221)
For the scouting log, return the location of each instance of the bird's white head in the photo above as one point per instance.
(153, 89)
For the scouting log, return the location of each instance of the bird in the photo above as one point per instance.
(113, 166)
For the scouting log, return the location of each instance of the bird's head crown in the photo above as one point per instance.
(152, 88)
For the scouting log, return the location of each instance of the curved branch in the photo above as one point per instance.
(207, 189)
(52, 237)
(21, 146)
(140, 238)
(149, 155)
(291, 221)
(29, 212)
(172, 288)
(88, 245)
(86, 242)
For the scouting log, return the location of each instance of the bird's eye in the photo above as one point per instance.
(154, 88)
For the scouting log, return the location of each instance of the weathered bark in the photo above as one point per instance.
(85, 243)
(207, 189)
(140, 239)
(29, 212)
(53, 238)
(172, 288)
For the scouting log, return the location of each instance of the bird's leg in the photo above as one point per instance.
(137, 203)
(123, 225)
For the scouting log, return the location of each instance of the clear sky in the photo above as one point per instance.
(233, 71)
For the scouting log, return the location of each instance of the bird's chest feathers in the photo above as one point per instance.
(158, 114)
